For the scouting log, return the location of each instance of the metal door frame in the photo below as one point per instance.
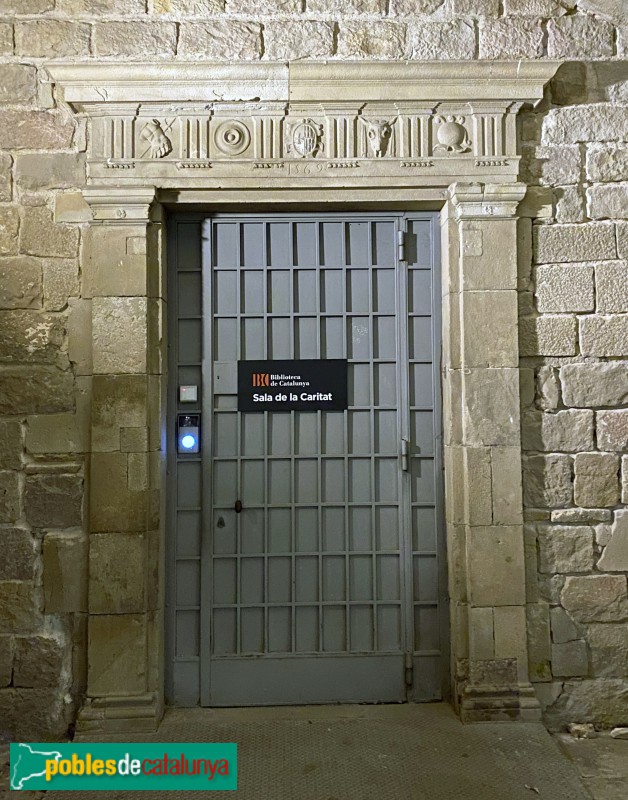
(407, 610)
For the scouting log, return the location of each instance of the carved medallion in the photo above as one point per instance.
(159, 145)
(232, 137)
(378, 133)
(304, 138)
(452, 135)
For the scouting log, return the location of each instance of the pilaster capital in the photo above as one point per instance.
(486, 200)
(112, 204)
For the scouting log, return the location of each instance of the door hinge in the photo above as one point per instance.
(409, 669)
(401, 245)
(405, 452)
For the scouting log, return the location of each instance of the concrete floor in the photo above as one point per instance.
(405, 752)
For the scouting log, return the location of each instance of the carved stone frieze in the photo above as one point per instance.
(171, 125)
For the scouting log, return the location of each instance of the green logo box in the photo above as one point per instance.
(109, 767)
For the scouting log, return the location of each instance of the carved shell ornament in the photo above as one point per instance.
(304, 138)
(232, 137)
(452, 135)
(153, 134)
(378, 133)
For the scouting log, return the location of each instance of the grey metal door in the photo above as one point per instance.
(322, 584)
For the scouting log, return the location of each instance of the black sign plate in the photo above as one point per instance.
(292, 385)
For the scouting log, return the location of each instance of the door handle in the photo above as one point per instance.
(238, 506)
(405, 453)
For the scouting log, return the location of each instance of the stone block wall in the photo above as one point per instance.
(573, 337)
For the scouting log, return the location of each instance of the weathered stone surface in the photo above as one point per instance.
(550, 587)
(579, 37)
(547, 336)
(20, 283)
(602, 535)
(569, 85)
(41, 237)
(221, 39)
(608, 201)
(10, 444)
(484, 318)
(113, 506)
(576, 243)
(103, 7)
(50, 170)
(18, 611)
(539, 641)
(30, 337)
(287, 40)
(615, 555)
(116, 569)
(565, 287)
(604, 336)
(9, 225)
(607, 162)
(25, 6)
(547, 481)
(119, 334)
(265, 6)
(510, 38)
(596, 483)
(118, 402)
(61, 281)
(547, 388)
(596, 598)
(54, 501)
(495, 566)
(65, 572)
(598, 122)
(611, 283)
(567, 431)
(412, 7)
(567, 515)
(51, 38)
(35, 715)
(6, 38)
(117, 654)
(35, 390)
(622, 239)
(570, 205)
(612, 430)
(34, 130)
(136, 39)
(9, 496)
(475, 8)
(112, 263)
(442, 40)
(551, 165)
(38, 661)
(372, 39)
(570, 659)
(565, 548)
(71, 207)
(491, 407)
(589, 385)
(564, 629)
(18, 83)
(6, 178)
(56, 433)
(6, 660)
(609, 650)
(533, 8)
(134, 440)
(624, 479)
(18, 558)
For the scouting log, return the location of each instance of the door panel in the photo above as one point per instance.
(327, 581)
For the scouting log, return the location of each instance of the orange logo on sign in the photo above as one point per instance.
(261, 379)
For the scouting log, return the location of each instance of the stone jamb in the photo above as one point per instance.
(479, 201)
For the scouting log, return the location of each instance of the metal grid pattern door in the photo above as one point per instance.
(325, 583)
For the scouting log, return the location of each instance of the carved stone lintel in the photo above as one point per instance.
(482, 201)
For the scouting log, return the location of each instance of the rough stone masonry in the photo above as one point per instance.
(573, 284)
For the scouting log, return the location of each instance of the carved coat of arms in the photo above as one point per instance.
(303, 138)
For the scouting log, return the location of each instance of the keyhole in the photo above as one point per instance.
(238, 506)
(220, 523)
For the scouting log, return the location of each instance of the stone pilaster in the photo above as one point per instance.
(123, 280)
(483, 453)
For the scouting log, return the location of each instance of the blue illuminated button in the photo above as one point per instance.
(188, 441)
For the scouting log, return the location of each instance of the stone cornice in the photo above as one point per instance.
(353, 124)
